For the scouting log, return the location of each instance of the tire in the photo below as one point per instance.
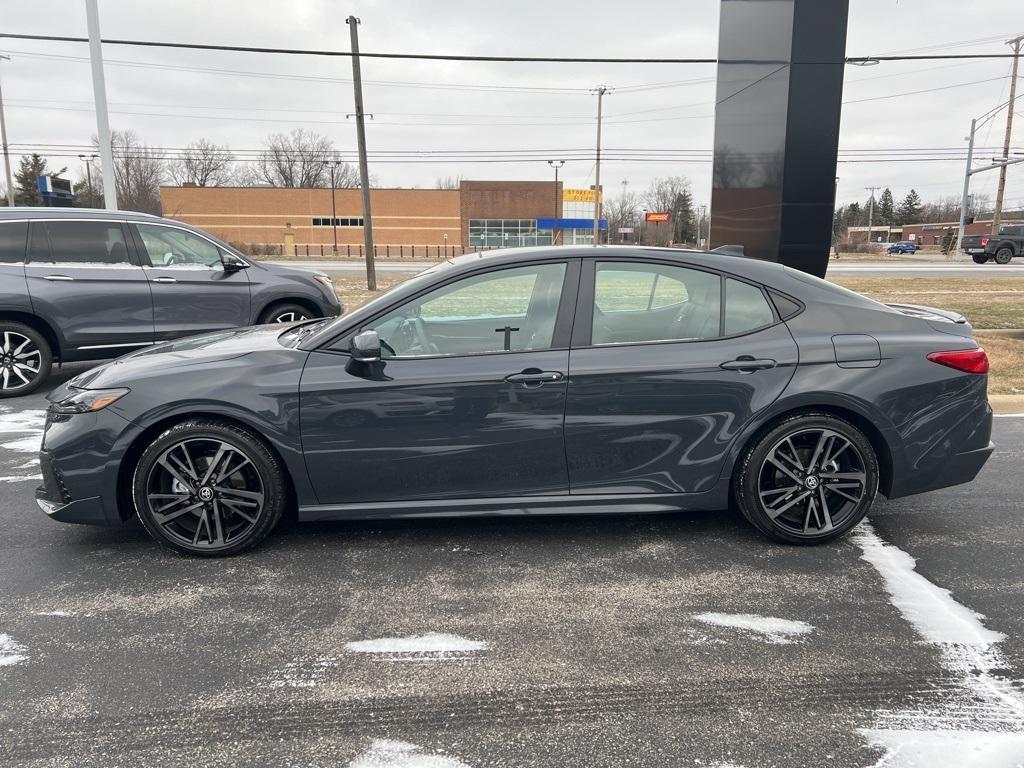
(193, 509)
(285, 313)
(25, 359)
(1003, 256)
(979, 259)
(764, 475)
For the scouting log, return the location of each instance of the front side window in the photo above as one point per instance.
(79, 243)
(638, 302)
(511, 310)
(172, 247)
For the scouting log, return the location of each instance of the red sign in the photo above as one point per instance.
(654, 217)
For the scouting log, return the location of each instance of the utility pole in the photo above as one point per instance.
(871, 208)
(99, 90)
(3, 138)
(556, 164)
(364, 170)
(1001, 188)
(601, 90)
(967, 191)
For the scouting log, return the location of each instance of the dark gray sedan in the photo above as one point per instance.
(533, 381)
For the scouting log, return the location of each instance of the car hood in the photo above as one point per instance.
(167, 356)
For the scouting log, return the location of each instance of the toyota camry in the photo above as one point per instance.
(532, 381)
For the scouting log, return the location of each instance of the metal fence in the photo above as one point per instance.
(326, 251)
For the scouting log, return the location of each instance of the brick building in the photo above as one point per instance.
(478, 213)
(928, 235)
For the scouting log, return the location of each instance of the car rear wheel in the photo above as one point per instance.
(25, 359)
(1003, 256)
(808, 480)
(208, 488)
(979, 259)
(285, 313)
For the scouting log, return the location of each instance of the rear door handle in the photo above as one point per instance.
(533, 377)
(59, 278)
(163, 280)
(747, 364)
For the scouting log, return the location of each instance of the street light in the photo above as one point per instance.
(556, 164)
(87, 159)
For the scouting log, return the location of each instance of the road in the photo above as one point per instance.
(673, 640)
(835, 268)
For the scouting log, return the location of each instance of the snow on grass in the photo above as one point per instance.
(979, 721)
(11, 653)
(772, 629)
(433, 646)
(385, 753)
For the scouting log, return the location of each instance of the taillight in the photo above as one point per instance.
(966, 360)
(984, 241)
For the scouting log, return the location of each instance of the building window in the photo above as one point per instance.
(506, 233)
(326, 222)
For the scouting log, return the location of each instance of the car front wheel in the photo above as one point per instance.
(285, 313)
(25, 359)
(808, 480)
(208, 488)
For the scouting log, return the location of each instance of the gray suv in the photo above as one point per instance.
(88, 285)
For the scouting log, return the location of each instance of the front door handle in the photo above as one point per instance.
(59, 278)
(747, 364)
(533, 377)
(163, 280)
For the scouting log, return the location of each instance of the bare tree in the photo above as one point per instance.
(202, 164)
(672, 194)
(448, 182)
(138, 173)
(623, 211)
(302, 159)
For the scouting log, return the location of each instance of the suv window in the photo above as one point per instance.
(12, 241)
(654, 302)
(173, 247)
(746, 308)
(80, 243)
(511, 310)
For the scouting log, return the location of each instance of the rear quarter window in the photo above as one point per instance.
(746, 308)
(13, 235)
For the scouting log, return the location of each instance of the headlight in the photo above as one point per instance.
(325, 281)
(89, 400)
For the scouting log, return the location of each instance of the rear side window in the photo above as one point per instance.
(12, 241)
(746, 308)
(79, 243)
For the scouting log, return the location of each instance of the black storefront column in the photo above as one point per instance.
(780, 88)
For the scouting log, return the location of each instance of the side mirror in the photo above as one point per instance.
(232, 263)
(366, 347)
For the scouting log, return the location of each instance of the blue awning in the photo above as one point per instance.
(571, 224)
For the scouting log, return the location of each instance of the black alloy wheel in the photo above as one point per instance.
(286, 313)
(208, 488)
(808, 480)
(25, 359)
(1004, 256)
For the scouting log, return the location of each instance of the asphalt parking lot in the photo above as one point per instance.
(677, 640)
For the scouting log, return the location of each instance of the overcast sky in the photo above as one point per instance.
(47, 86)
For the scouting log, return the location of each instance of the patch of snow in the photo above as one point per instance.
(303, 672)
(433, 646)
(386, 753)
(30, 464)
(979, 719)
(772, 629)
(31, 420)
(54, 613)
(952, 748)
(25, 444)
(19, 478)
(11, 653)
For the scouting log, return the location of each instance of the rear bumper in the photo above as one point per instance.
(961, 468)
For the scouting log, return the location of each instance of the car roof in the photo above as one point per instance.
(33, 212)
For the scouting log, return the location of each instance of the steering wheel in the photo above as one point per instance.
(416, 327)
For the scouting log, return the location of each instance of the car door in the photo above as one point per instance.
(82, 279)
(467, 401)
(192, 290)
(668, 363)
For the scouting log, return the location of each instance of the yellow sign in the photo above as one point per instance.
(577, 195)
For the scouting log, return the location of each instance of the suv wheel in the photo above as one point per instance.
(285, 313)
(979, 258)
(807, 480)
(25, 359)
(1003, 256)
(208, 488)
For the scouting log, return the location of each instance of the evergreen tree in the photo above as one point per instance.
(855, 216)
(909, 211)
(885, 210)
(26, 179)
